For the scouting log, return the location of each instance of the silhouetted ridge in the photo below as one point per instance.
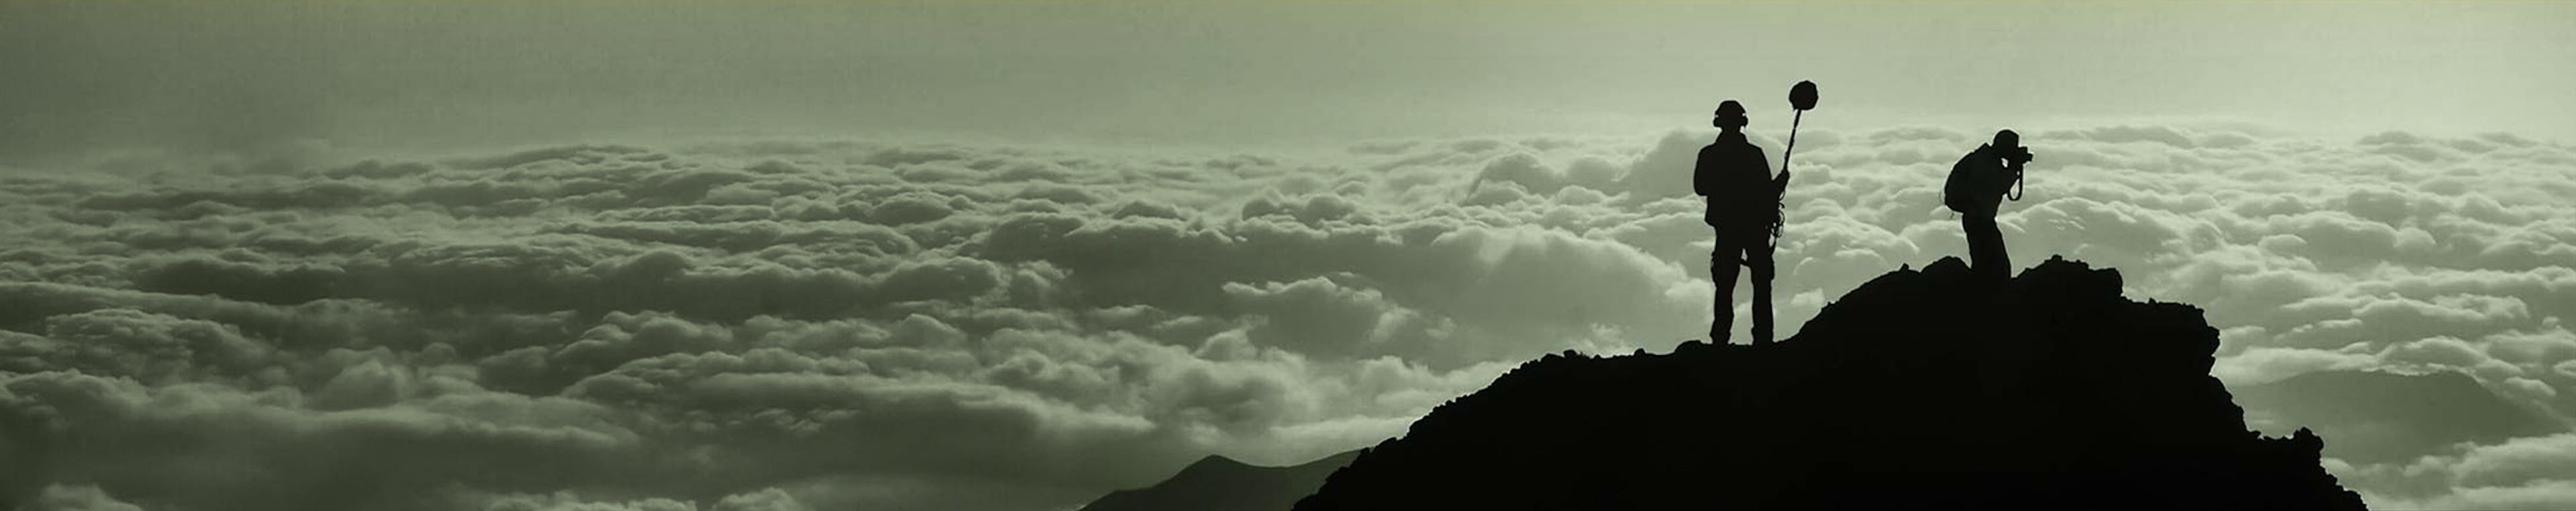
(1919, 390)
(1218, 483)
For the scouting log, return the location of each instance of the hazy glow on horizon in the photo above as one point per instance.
(252, 78)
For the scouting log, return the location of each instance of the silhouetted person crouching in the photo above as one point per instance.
(1977, 187)
(1743, 203)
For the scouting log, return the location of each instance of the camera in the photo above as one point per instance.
(2018, 155)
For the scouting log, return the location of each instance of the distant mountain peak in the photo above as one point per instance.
(1216, 462)
(1219, 483)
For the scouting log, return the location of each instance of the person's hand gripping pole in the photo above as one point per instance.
(1803, 98)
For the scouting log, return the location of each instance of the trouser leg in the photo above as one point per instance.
(1760, 257)
(1986, 246)
(1722, 265)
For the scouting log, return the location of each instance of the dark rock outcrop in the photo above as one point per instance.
(1919, 390)
(1218, 483)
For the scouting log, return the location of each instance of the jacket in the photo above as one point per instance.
(1743, 197)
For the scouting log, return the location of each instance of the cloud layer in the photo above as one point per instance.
(785, 324)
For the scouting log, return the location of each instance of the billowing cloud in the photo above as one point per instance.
(2523, 473)
(77, 498)
(791, 325)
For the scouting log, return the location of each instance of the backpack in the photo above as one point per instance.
(1960, 192)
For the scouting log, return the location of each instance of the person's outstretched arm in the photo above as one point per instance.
(1778, 182)
(2010, 176)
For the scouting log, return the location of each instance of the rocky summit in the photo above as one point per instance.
(1923, 389)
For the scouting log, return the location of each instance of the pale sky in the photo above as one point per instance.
(801, 255)
(470, 74)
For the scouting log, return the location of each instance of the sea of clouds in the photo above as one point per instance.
(790, 324)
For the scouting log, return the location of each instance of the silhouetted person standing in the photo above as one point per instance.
(1743, 204)
(1977, 187)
